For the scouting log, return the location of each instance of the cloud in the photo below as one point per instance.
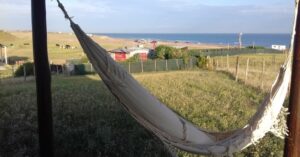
(271, 9)
(80, 8)
(156, 15)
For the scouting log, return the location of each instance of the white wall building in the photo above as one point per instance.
(279, 47)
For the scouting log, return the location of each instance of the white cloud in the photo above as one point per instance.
(273, 9)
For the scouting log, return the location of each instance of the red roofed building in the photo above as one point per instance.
(126, 53)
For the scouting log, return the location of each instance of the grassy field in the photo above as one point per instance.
(89, 121)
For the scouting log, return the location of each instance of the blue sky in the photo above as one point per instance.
(158, 16)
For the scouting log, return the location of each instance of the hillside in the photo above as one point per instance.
(6, 37)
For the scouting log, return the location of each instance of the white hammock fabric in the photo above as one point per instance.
(170, 127)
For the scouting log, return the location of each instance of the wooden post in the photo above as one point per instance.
(1, 55)
(5, 55)
(155, 64)
(227, 62)
(142, 66)
(13, 70)
(247, 70)
(177, 64)
(292, 142)
(207, 63)
(57, 70)
(262, 73)
(24, 72)
(43, 78)
(62, 69)
(166, 65)
(237, 69)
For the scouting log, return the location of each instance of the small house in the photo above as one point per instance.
(126, 53)
(279, 47)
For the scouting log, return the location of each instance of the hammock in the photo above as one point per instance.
(170, 127)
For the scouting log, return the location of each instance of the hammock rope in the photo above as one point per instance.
(169, 127)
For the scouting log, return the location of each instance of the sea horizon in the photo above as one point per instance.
(258, 39)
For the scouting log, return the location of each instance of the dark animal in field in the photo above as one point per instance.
(67, 46)
(57, 45)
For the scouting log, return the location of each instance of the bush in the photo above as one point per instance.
(167, 52)
(255, 47)
(29, 69)
(84, 59)
(202, 62)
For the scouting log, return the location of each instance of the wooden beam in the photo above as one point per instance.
(292, 142)
(43, 77)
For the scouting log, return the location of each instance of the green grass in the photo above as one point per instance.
(89, 121)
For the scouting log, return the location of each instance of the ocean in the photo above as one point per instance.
(265, 40)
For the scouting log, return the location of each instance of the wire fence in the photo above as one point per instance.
(159, 65)
(232, 52)
(258, 71)
(144, 66)
(87, 68)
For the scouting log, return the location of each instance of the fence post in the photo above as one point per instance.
(166, 65)
(62, 70)
(24, 72)
(155, 64)
(247, 69)
(142, 66)
(211, 63)
(237, 69)
(129, 68)
(274, 62)
(262, 74)
(13, 70)
(227, 62)
(5, 55)
(57, 70)
(177, 64)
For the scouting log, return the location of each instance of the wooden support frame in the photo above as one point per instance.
(43, 77)
(292, 142)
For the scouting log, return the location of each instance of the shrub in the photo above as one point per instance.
(202, 62)
(167, 52)
(255, 47)
(84, 59)
(29, 67)
(134, 58)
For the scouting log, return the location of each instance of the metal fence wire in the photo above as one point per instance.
(143, 66)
